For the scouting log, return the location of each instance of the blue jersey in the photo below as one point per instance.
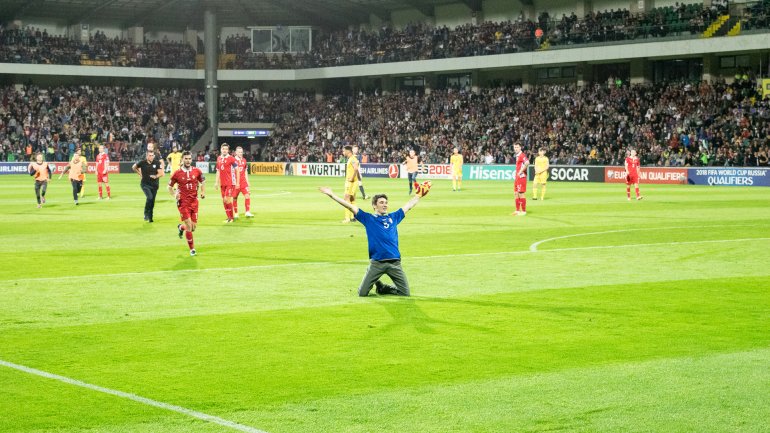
(382, 233)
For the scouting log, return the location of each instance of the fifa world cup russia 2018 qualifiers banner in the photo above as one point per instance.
(729, 176)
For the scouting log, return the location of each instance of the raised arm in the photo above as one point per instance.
(328, 191)
(411, 203)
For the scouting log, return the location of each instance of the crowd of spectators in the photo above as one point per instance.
(32, 45)
(422, 41)
(417, 41)
(673, 124)
(59, 120)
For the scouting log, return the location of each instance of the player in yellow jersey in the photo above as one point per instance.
(84, 165)
(541, 174)
(174, 160)
(456, 161)
(351, 181)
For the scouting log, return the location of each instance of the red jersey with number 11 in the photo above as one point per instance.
(188, 181)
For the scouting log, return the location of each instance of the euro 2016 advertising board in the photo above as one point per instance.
(658, 175)
(431, 171)
(729, 176)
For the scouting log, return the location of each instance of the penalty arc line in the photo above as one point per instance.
(139, 399)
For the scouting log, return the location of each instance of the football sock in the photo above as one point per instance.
(248, 204)
(628, 191)
(460, 184)
(518, 204)
(189, 237)
(454, 184)
(637, 192)
(524, 204)
(108, 192)
(542, 192)
(100, 191)
(361, 188)
(181, 227)
(229, 210)
(235, 205)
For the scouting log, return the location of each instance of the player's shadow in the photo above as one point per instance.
(407, 311)
(185, 262)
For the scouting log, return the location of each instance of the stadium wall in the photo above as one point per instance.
(501, 10)
(577, 55)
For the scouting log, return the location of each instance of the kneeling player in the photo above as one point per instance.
(189, 179)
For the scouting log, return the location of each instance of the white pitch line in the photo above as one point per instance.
(344, 262)
(534, 246)
(134, 397)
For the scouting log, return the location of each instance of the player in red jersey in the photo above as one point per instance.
(244, 184)
(520, 184)
(228, 176)
(189, 179)
(102, 170)
(632, 174)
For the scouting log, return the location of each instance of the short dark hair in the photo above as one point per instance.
(348, 148)
(377, 197)
(185, 153)
(541, 149)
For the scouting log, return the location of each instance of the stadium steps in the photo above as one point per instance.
(715, 26)
(728, 26)
(202, 145)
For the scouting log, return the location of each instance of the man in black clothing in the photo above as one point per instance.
(150, 170)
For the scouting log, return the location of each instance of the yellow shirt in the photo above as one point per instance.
(84, 167)
(350, 169)
(457, 162)
(541, 163)
(175, 160)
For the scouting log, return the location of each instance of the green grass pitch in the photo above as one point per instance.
(650, 316)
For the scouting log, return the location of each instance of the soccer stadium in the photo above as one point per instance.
(384, 216)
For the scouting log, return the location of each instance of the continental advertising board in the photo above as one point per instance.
(267, 168)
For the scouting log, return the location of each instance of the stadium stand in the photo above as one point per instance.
(58, 120)
(672, 124)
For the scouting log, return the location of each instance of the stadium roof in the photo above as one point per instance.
(180, 14)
